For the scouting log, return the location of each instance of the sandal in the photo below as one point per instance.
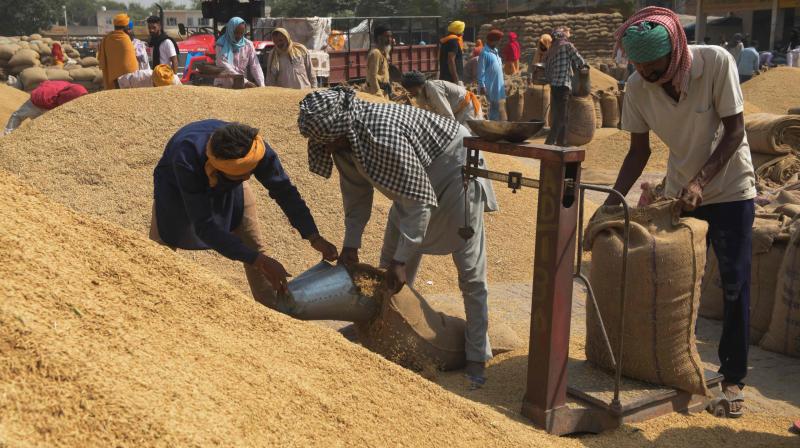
(721, 405)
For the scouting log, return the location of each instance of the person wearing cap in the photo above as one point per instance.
(202, 200)
(689, 96)
(116, 54)
(289, 63)
(139, 47)
(378, 82)
(451, 53)
(490, 76)
(46, 96)
(165, 50)
(237, 55)
(442, 97)
(560, 62)
(160, 76)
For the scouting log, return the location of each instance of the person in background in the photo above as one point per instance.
(748, 62)
(165, 50)
(139, 47)
(490, 76)
(562, 59)
(116, 54)
(689, 96)
(289, 64)
(471, 67)
(444, 98)
(736, 47)
(511, 54)
(544, 43)
(378, 82)
(160, 76)
(58, 55)
(202, 200)
(47, 96)
(451, 53)
(414, 158)
(237, 55)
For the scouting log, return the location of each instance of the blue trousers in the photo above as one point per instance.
(730, 234)
(494, 110)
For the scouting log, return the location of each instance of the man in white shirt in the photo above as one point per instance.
(689, 96)
(165, 50)
(161, 76)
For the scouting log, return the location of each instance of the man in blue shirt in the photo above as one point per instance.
(202, 200)
(490, 76)
(748, 64)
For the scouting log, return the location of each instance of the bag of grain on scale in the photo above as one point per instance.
(610, 107)
(515, 103)
(598, 111)
(770, 237)
(783, 335)
(537, 102)
(666, 259)
(772, 134)
(580, 120)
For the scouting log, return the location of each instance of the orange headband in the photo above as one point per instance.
(234, 167)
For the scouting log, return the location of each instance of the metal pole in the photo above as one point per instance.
(773, 25)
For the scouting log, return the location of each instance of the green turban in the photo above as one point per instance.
(646, 42)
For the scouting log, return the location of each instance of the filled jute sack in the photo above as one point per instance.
(598, 111)
(580, 121)
(666, 259)
(770, 237)
(83, 74)
(24, 57)
(515, 104)
(89, 61)
(780, 170)
(537, 102)
(7, 50)
(610, 107)
(32, 77)
(58, 74)
(772, 133)
(409, 332)
(783, 335)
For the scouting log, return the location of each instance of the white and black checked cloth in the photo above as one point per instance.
(393, 143)
(559, 66)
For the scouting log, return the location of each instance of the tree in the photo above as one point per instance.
(28, 16)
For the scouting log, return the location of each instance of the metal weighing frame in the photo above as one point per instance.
(560, 216)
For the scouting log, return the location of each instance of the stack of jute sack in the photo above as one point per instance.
(30, 59)
(592, 34)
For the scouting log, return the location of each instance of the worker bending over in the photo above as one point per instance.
(161, 76)
(116, 54)
(690, 97)
(202, 200)
(444, 98)
(415, 159)
(48, 95)
(289, 64)
(237, 55)
(378, 82)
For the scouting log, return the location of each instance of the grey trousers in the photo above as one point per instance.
(470, 261)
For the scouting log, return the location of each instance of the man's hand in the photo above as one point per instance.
(348, 256)
(273, 270)
(396, 276)
(323, 246)
(692, 196)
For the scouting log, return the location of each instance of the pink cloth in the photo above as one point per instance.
(245, 62)
(512, 50)
(51, 94)
(681, 63)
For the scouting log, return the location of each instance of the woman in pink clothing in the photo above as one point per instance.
(237, 55)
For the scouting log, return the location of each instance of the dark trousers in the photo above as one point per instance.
(559, 97)
(730, 233)
(743, 78)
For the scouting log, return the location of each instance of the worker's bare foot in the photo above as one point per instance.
(476, 374)
(733, 393)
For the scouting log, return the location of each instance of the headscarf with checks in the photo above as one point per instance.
(393, 143)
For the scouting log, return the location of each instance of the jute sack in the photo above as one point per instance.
(770, 237)
(24, 56)
(780, 170)
(89, 61)
(83, 74)
(666, 259)
(783, 335)
(773, 134)
(537, 102)
(598, 111)
(580, 120)
(515, 105)
(610, 107)
(7, 51)
(409, 332)
(57, 74)
(32, 77)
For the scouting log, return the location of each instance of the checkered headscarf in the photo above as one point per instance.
(393, 143)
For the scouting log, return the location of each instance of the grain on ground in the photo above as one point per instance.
(10, 100)
(774, 91)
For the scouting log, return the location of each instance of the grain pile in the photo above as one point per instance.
(592, 34)
(771, 91)
(10, 100)
(102, 162)
(111, 340)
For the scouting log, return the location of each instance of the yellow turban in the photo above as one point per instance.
(121, 20)
(456, 27)
(234, 167)
(162, 75)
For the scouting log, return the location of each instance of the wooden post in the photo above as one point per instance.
(700, 24)
(773, 24)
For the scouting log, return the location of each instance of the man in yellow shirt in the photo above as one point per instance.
(378, 63)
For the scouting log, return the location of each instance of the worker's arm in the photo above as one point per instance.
(482, 73)
(577, 60)
(255, 66)
(437, 98)
(27, 110)
(451, 64)
(373, 60)
(357, 196)
(632, 167)
(312, 75)
(271, 174)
